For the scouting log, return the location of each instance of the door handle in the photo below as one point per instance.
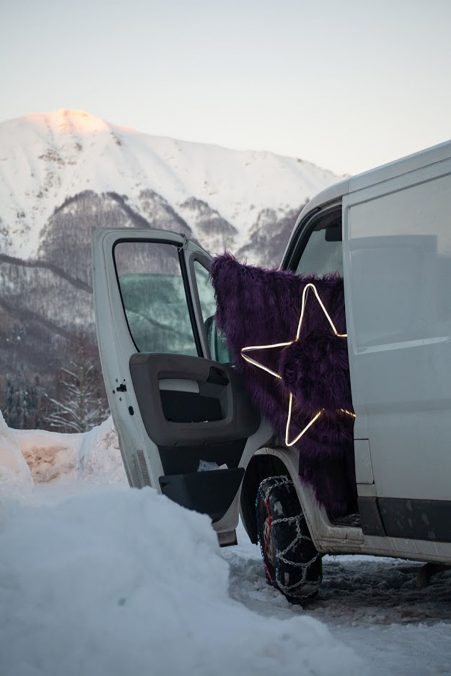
(217, 377)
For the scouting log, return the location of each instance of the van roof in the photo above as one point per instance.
(333, 193)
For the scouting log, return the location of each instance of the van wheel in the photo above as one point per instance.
(292, 563)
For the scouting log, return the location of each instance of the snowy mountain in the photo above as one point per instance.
(46, 158)
(64, 173)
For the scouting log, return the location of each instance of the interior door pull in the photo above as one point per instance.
(217, 377)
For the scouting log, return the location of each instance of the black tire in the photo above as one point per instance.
(292, 562)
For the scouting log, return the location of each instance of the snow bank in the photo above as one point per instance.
(41, 457)
(49, 455)
(115, 581)
(99, 456)
(121, 581)
(14, 470)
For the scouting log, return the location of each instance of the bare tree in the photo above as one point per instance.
(80, 403)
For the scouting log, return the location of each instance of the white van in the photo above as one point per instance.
(182, 413)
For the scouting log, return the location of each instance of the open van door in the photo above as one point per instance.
(185, 423)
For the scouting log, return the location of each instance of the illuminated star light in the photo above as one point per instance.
(254, 362)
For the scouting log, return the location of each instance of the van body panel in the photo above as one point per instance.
(397, 273)
(330, 194)
(385, 172)
(405, 165)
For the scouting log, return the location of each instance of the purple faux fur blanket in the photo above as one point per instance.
(262, 307)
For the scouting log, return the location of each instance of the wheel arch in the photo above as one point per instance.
(263, 464)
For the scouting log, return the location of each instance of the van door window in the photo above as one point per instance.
(322, 254)
(216, 340)
(153, 296)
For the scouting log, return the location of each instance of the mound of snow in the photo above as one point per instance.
(99, 456)
(40, 456)
(121, 581)
(14, 470)
(49, 455)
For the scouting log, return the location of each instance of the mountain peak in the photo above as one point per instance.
(47, 157)
(68, 121)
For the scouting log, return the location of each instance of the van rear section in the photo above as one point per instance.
(388, 233)
(397, 271)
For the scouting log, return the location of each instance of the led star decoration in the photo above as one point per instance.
(254, 348)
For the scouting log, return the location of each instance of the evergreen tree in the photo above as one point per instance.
(25, 407)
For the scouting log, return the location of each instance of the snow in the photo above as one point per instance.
(93, 457)
(97, 578)
(370, 604)
(116, 580)
(14, 470)
(47, 157)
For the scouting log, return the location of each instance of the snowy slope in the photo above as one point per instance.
(115, 581)
(126, 582)
(47, 157)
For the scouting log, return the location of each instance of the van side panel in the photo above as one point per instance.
(397, 269)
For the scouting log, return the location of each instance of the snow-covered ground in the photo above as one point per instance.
(99, 579)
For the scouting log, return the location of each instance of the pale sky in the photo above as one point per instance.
(347, 84)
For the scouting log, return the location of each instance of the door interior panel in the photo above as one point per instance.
(199, 416)
(188, 458)
(207, 492)
(189, 407)
(220, 411)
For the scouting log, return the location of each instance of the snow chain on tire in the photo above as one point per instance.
(292, 562)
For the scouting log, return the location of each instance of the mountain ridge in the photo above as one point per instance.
(46, 158)
(63, 174)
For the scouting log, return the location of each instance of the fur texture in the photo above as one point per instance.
(256, 307)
